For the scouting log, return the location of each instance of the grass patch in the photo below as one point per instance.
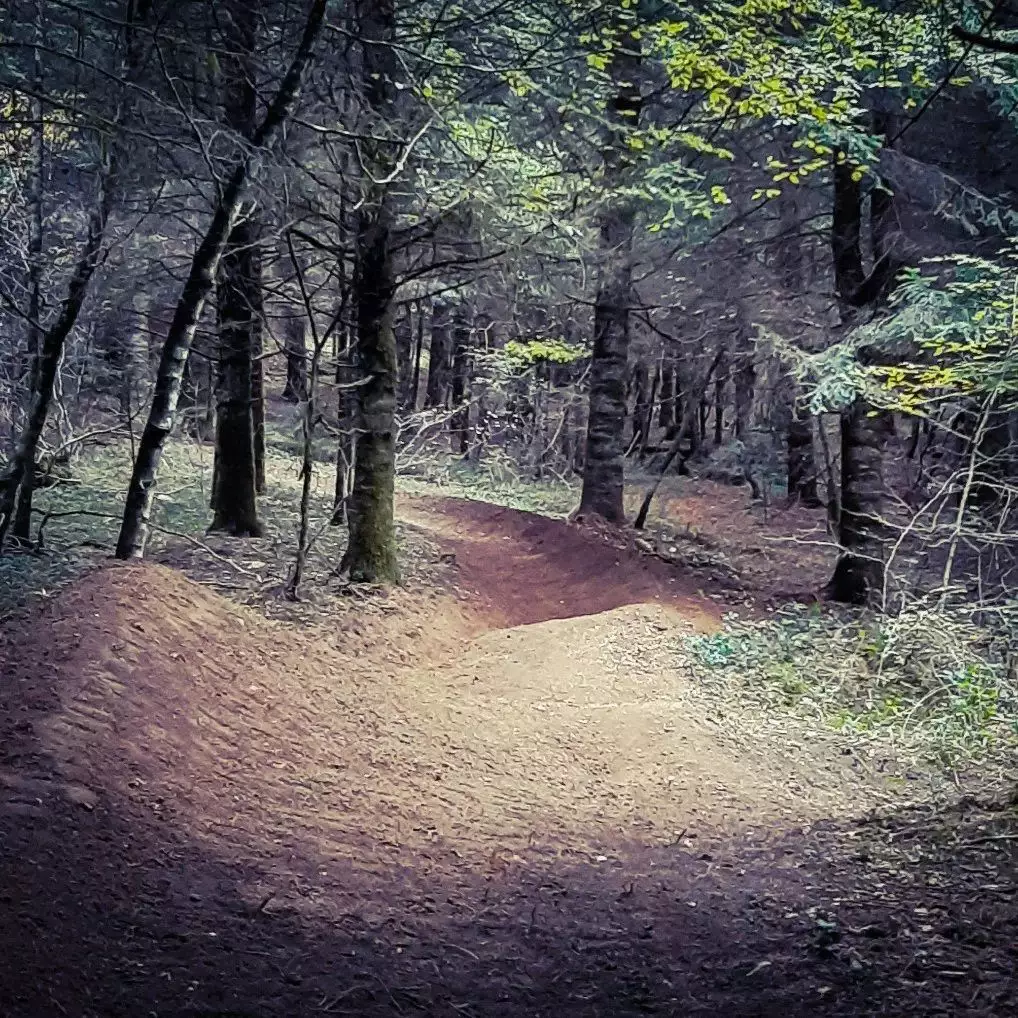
(460, 480)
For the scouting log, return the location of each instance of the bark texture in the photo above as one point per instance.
(239, 305)
(666, 393)
(603, 473)
(371, 551)
(439, 355)
(238, 302)
(802, 469)
(296, 349)
(859, 574)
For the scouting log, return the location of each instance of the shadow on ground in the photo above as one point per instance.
(104, 913)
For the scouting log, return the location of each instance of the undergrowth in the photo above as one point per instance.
(932, 683)
(78, 520)
(554, 498)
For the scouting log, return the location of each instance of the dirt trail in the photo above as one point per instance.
(521, 568)
(206, 813)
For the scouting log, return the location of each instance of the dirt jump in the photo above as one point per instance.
(516, 802)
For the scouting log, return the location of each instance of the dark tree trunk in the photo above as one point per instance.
(200, 282)
(666, 412)
(459, 423)
(405, 355)
(439, 355)
(800, 457)
(744, 377)
(296, 349)
(802, 468)
(415, 382)
(238, 302)
(720, 383)
(239, 305)
(846, 232)
(258, 401)
(859, 575)
(643, 407)
(371, 552)
(603, 474)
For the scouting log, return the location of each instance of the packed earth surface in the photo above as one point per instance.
(507, 795)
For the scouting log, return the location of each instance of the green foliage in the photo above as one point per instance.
(952, 333)
(552, 350)
(934, 684)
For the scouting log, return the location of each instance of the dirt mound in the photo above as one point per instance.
(136, 665)
(203, 812)
(525, 568)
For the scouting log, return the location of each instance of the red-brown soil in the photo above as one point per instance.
(203, 812)
(520, 567)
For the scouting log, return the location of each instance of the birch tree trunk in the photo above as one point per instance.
(200, 281)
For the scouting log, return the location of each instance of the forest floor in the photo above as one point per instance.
(501, 790)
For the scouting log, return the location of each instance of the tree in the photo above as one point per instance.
(16, 492)
(200, 281)
(371, 552)
(859, 574)
(239, 299)
(603, 473)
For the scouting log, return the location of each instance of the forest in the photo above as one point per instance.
(508, 508)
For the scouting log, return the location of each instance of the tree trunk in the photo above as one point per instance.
(459, 423)
(643, 407)
(666, 394)
(859, 575)
(200, 281)
(603, 474)
(346, 420)
(846, 232)
(405, 355)
(439, 355)
(744, 377)
(239, 300)
(296, 349)
(415, 382)
(802, 468)
(719, 402)
(371, 552)
(258, 400)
